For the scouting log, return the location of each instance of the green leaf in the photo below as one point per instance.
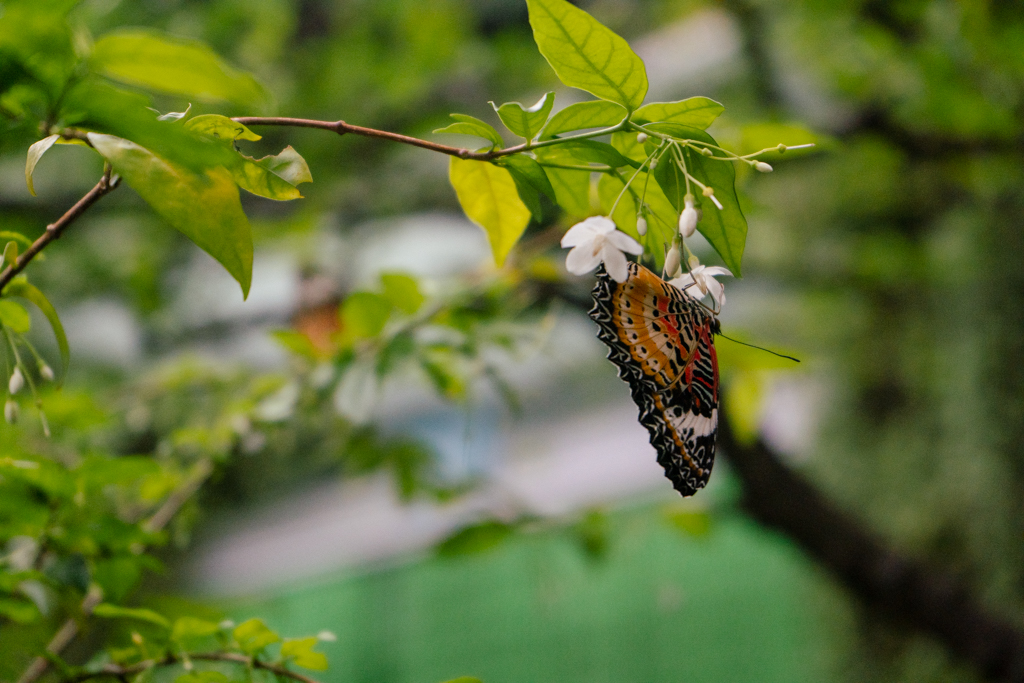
(572, 190)
(204, 207)
(10, 255)
(19, 286)
(530, 180)
(725, 228)
(273, 177)
(465, 679)
(19, 610)
(14, 316)
(490, 199)
(108, 611)
(584, 152)
(190, 629)
(525, 123)
(586, 54)
(403, 292)
(158, 61)
(299, 651)
(289, 165)
(477, 538)
(584, 115)
(696, 112)
(35, 153)
(296, 342)
(364, 314)
(253, 635)
(217, 126)
(470, 125)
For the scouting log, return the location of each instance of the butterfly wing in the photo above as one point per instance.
(662, 342)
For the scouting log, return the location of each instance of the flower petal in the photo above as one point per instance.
(582, 259)
(624, 242)
(615, 263)
(717, 270)
(717, 290)
(577, 234)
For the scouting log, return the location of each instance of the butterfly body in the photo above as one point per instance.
(662, 342)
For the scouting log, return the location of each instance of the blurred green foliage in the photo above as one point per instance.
(894, 260)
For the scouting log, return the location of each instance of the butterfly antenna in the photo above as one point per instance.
(774, 353)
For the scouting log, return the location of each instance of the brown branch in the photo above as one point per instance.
(170, 659)
(54, 230)
(340, 127)
(906, 590)
(40, 665)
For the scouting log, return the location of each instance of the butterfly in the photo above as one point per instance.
(662, 341)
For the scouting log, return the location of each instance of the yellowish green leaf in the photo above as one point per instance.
(489, 197)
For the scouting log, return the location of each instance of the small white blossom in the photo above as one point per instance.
(596, 240)
(641, 226)
(641, 138)
(46, 372)
(16, 382)
(11, 411)
(700, 282)
(672, 261)
(763, 167)
(688, 218)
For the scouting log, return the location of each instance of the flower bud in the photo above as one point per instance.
(46, 372)
(641, 138)
(672, 261)
(641, 226)
(16, 382)
(11, 411)
(693, 261)
(706, 151)
(688, 218)
(763, 167)
(654, 164)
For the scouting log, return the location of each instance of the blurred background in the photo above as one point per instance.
(521, 529)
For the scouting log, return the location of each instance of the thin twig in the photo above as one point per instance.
(54, 230)
(340, 127)
(200, 472)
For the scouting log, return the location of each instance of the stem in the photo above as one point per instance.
(340, 127)
(54, 230)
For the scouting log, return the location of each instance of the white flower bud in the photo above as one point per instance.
(693, 261)
(641, 226)
(688, 218)
(46, 372)
(16, 382)
(11, 411)
(763, 167)
(326, 636)
(654, 164)
(672, 261)
(641, 138)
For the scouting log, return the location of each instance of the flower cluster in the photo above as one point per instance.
(596, 240)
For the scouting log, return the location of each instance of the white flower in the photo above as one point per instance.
(672, 261)
(46, 372)
(641, 226)
(688, 218)
(16, 382)
(700, 282)
(763, 167)
(596, 240)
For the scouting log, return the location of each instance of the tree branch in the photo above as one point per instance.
(905, 589)
(54, 230)
(40, 665)
(340, 127)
